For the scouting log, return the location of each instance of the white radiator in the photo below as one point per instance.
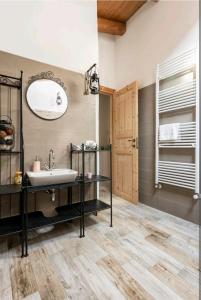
(174, 100)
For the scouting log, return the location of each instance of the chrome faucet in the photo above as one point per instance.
(51, 159)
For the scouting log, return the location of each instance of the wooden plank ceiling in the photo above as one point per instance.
(113, 15)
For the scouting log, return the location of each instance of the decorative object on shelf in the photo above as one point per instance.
(92, 82)
(18, 177)
(36, 165)
(90, 145)
(7, 133)
(89, 175)
(46, 96)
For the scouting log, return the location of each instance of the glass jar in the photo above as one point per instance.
(18, 177)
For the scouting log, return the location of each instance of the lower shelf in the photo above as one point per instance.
(65, 213)
(10, 189)
(37, 219)
(10, 225)
(91, 206)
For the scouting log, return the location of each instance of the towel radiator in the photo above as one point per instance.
(175, 100)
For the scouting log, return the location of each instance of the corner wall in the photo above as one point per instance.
(156, 32)
(174, 200)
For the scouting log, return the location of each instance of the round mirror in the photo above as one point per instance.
(47, 99)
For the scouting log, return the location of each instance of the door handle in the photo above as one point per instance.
(135, 142)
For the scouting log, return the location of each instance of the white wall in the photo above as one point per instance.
(156, 32)
(107, 59)
(61, 33)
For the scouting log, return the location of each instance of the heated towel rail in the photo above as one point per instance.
(182, 96)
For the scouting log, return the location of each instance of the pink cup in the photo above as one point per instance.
(89, 175)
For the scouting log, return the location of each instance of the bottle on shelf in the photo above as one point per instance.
(18, 177)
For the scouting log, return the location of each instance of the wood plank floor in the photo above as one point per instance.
(148, 254)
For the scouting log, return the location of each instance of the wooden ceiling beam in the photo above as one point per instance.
(111, 27)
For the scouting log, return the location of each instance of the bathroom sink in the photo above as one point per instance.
(55, 176)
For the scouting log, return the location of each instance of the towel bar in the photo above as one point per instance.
(178, 98)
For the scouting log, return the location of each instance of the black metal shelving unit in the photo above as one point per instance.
(93, 205)
(25, 221)
(12, 224)
(65, 213)
(70, 211)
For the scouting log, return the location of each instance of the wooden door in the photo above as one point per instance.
(125, 142)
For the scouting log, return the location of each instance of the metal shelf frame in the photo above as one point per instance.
(94, 205)
(70, 211)
(13, 224)
(36, 219)
(26, 221)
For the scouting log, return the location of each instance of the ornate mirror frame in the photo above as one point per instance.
(49, 75)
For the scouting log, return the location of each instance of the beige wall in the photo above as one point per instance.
(107, 59)
(61, 33)
(156, 32)
(76, 126)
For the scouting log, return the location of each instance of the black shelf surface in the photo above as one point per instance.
(35, 188)
(9, 152)
(10, 189)
(95, 178)
(10, 225)
(91, 206)
(65, 213)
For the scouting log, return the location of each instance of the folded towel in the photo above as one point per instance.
(169, 132)
(90, 145)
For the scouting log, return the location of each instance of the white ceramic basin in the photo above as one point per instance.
(55, 176)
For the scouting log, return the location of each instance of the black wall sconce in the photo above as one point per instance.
(92, 82)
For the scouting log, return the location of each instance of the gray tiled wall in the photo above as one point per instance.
(176, 201)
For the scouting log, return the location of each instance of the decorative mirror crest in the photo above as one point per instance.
(46, 96)
(46, 75)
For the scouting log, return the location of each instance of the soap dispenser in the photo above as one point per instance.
(36, 165)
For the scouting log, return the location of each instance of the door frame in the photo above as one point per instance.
(109, 92)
